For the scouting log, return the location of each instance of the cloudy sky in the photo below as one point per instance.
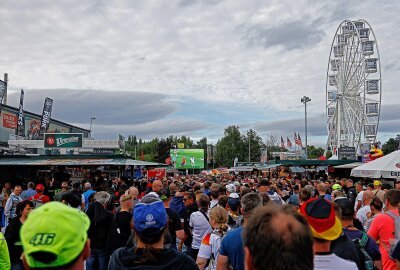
(155, 68)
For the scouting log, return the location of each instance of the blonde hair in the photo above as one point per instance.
(220, 216)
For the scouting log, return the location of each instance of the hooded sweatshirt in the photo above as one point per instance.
(124, 259)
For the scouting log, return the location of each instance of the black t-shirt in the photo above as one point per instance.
(174, 224)
(130, 259)
(346, 249)
(119, 232)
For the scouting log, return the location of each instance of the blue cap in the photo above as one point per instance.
(149, 216)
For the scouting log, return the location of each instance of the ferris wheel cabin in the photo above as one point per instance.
(372, 87)
(368, 47)
(371, 65)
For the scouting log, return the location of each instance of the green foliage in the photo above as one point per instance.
(390, 146)
(314, 152)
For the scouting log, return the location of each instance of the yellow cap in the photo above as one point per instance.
(377, 183)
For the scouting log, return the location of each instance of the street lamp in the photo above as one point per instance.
(91, 123)
(305, 100)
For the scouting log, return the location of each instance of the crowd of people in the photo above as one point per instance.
(201, 222)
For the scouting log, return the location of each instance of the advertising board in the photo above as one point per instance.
(187, 158)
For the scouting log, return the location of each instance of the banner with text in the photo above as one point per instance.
(46, 116)
(3, 87)
(9, 120)
(63, 140)
(20, 131)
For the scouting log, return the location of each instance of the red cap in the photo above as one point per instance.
(40, 187)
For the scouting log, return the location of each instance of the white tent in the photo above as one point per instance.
(386, 167)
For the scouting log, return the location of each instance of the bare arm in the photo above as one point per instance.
(222, 262)
(201, 262)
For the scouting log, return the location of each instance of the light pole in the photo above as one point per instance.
(249, 144)
(91, 123)
(305, 100)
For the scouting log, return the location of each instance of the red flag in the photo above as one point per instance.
(298, 142)
(289, 143)
(282, 143)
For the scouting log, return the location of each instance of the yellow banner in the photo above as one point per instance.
(181, 145)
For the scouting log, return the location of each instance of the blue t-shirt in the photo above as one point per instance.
(86, 195)
(232, 246)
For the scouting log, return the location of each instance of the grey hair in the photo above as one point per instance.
(88, 185)
(250, 201)
(102, 197)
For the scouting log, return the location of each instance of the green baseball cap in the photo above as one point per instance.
(57, 229)
(336, 187)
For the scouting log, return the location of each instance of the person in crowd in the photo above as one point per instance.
(231, 251)
(88, 191)
(190, 207)
(100, 222)
(39, 198)
(278, 238)
(223, 201)
(351, 191)
(322, 189)
(235, 219)
(134, 193)
(199, 223)
(362, 213)
(363, 242)
(294, 199)
(150, 221)
(378, 192)
(3, 218)
(55, 237)
(177, 204)
(210, 245)
(29, 192)
(121, 225)
(382, 227)
(64, 190)
(231, 191)
(376, 206)
(4, 254)
(156, 186)
(305, 195)
(325, 227)
(359, 199)
(174, 222)
(74, 198)
(12, 234)
(10, 209)
(214, 194)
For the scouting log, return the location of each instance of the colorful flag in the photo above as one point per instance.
(298, 142)
(289, 143)
(3, 90)
(282, 143)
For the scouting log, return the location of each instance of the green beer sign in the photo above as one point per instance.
(63, 140)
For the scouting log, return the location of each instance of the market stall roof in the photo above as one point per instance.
(386, 167)
(297, 169)
(349, 166)
(315, 162)
(77, 160)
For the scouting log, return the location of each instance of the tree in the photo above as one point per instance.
(273, 144)
(202, 144)
(314, 152)
(255, 143)
(232, 145)
(390, 146)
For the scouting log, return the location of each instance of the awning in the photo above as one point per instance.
(297, 169)
(349, 166)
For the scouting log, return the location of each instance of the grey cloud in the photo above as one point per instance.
(147, 131)
(187, 3)
(109, 108)
(291, 35)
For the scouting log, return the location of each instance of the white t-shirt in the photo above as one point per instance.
(362, 215)
(333, 262)
(210, 245)
(200, 227)
(359, 198)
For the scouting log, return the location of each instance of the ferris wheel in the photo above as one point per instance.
(353, 86)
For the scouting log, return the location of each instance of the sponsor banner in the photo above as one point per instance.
(46, 115)
(63, 140)
(104, 151)
(158, 173)
(9, 120)
(187, 158)
(3, 87)
(181, 145)
(21, 117)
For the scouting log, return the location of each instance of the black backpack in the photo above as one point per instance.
(360, 244)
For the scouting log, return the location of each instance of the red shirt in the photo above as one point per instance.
(382, 228)
(44, 199)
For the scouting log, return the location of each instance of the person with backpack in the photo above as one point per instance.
(39, 198)
(199, 224)
(367, 249)
(209, 248)
(385, 228)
